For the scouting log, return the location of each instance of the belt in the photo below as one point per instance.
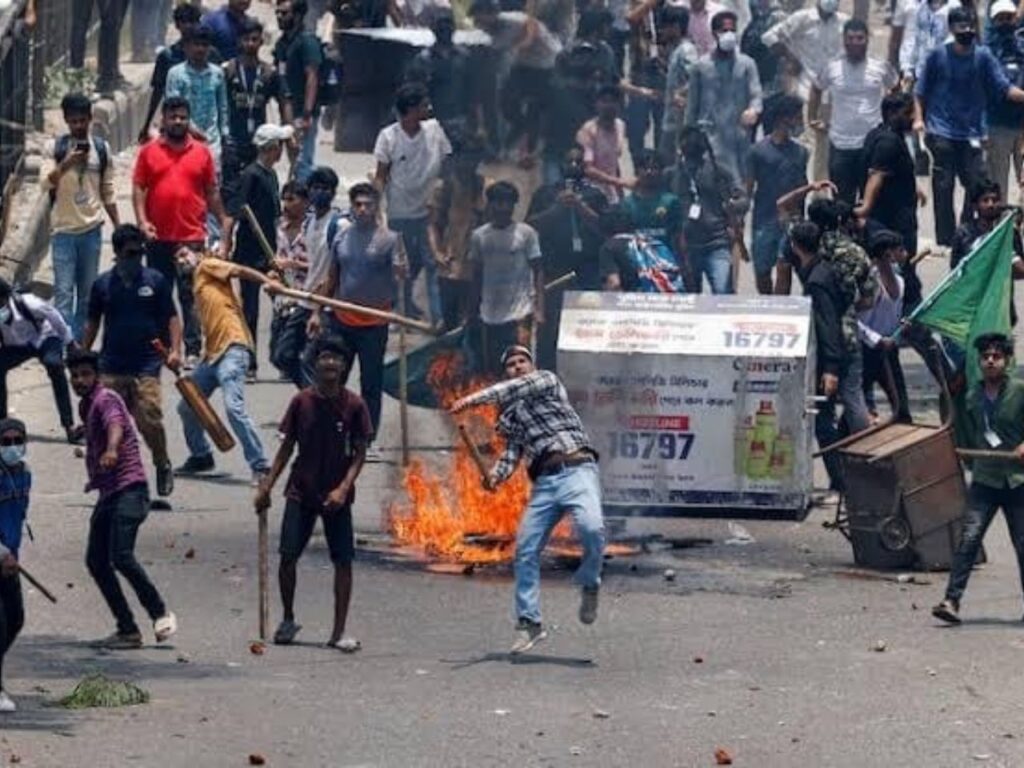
(552, 465)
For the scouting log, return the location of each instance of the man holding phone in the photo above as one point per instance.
(80, 180)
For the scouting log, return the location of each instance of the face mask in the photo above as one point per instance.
(828, 7)
(321, 198)
(727, 42)
(11, 455)
(965, 38)
(5, 314)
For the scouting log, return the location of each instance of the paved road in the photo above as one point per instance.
(766, 650)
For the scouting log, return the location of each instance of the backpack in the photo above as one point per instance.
(63, 145)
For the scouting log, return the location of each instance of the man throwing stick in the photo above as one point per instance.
(332, 428)
(538, 422)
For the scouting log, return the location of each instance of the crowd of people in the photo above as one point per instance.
(658, 131)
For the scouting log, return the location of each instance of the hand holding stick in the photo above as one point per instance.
(478, 459)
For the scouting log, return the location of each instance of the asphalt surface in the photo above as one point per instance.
(778, 651)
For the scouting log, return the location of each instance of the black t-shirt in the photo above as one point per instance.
(249, 90)
(566, 247)
(886, 150)
(258, 187)
(448, 77)
(776, 170)
(292, 55)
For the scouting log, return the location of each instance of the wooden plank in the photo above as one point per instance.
(869, 445)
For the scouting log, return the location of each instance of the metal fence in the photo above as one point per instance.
(14, 94)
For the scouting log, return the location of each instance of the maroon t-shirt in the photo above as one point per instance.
(327, 431)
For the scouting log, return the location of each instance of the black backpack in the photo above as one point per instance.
(63, 146)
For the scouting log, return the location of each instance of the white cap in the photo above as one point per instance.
(268, 133)
(1002, 6)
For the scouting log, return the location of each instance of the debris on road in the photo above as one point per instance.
(190, 554)
(501, 712)
(723, 756)
(257, 759)
(101, 691)
(698, 659)
(738, 535)
(879, 646)
(669, 574)
(600, 714)
(257, 648)
(576, 751)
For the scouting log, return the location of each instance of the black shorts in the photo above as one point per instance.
(297, 526)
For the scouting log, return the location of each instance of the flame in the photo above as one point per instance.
(445, 511)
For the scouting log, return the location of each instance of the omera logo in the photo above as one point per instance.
(762, 366)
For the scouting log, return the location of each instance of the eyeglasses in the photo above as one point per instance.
(5, 441)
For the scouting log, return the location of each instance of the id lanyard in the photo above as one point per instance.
(250, 98)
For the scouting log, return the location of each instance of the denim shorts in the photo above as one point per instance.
(297, 526)
(766, 246)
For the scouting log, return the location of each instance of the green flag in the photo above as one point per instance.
(974, 298)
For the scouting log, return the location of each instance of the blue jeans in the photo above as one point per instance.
(716, 265)
(307, 149)
(228, 373)
(76, 261)
(576, 490)
(417, 248)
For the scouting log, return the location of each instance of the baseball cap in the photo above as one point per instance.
(271, 132)
(1002, 6)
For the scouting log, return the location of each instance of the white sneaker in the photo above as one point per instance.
(373, 455)
(165, 626)
(7, 703)
(529, 635)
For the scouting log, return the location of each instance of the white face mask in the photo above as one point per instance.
(727, 42)
(828, 7)
(12, 455)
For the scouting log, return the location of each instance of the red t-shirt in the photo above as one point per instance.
(176, 181)
(327, 431)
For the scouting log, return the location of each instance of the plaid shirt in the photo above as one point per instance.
(536, 420)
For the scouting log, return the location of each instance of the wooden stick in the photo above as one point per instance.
(35, 583)
(478, 459)
(261, 236)
(248, 273)
(264, 574)
(974, 453)
(921, 256)
(403, 377)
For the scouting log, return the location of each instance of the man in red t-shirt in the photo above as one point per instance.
(174, 185)
(331, 427)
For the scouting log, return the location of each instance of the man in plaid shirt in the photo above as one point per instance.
(538, 423)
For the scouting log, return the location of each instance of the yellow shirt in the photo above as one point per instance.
(80, 194)
(219, 310)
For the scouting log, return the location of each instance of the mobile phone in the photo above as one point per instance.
(82, 146)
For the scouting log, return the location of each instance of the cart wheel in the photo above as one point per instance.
(895, 533)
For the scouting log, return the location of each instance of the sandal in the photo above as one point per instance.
(346, 645)
(286, 632)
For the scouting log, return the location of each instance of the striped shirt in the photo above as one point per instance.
(857, 89)
(536, 420)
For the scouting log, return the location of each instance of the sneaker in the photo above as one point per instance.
(165, 480)
(120, 641)
(947, 611)
(588, 605)
(286, 632)
(165, 626)
(373, 455)
(250, 376)
(195, 464)
(530, 634)
(76, 435)
(345, 645)
(7, 703)
(191, 361)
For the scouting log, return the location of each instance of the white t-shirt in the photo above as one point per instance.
(505, 258)
(856, 92)
(415, 164)
(883, 318)
(318, 252)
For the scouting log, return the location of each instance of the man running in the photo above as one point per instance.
(115, 469)
(539, 424)
(331, 427)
